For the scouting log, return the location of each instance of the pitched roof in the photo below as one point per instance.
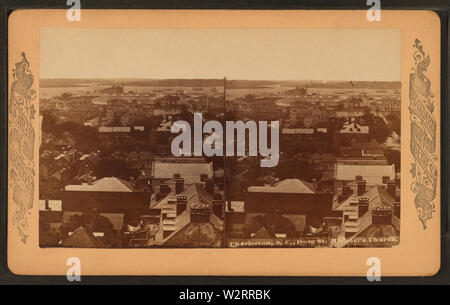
(285, 186)
(165, 126)
(367, 228)
(81, 238)
(203, 234)
(299, 221)
(275, 222)
(116, 220)
(378, 198)
(354, 128)
(262, 233)
(190, 171)
(196, 197)
(107, 184)
(57, 175)
(358, 158)
(194, 193)
(372, 173)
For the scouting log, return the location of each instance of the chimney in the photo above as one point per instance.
(179, 185)
(363, 206)
(181, 204)
(176, 176)
(47, 206)
(200, 214)
(360, 187)
(89, 179)
(381, 215)
(209, 185)
(358, 178)
(217, 208)
(392, 188)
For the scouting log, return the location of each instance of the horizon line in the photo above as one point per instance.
(222, 78)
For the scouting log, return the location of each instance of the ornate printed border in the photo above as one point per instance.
(423, 136)
(21, 113)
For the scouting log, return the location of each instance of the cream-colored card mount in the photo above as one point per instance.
(220, 142)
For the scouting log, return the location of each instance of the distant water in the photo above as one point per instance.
(50, 92)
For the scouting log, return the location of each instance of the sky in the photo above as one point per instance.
(248, 54)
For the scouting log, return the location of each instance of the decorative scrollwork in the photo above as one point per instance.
(21, 144)
(423, 136)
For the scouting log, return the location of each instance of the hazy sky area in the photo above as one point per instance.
(282, 54)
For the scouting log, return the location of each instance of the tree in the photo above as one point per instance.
(49, 122)
(115, 168)
(394, 123)
(86, 138)
(378, 128)
(291, 168)
(66, 96)
(149, 123)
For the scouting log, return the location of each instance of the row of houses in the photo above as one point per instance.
(180, 205)
(112, 212)
(293, 213)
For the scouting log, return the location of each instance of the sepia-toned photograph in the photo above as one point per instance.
(288, 138)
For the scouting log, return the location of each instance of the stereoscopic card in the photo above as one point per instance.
(224, 142)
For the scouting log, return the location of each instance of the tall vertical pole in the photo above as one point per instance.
(225, 92)
(226, 171)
